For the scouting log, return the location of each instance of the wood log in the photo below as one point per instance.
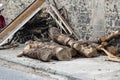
(108, 53)
(102, 48)
(66, 40)
(103, 44)
(43, 54)
(109, 37)
(61, 52)
(108, 58)
(89, 51)
(73, 52)
(113, 50)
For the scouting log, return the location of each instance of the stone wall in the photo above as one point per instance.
(12, 8)
(89, 18)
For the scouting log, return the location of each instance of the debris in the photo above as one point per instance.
(8, 46)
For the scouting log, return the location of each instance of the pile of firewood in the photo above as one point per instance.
(65, 47)
(53, 38)
(46, 50)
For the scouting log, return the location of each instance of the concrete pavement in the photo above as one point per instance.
(76, 69)
(14, 71)
(10, 74)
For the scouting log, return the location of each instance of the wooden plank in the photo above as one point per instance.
(71, 31)
(20, 20)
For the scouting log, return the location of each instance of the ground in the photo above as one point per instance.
(14, 71)
(76, 69)
(11, 74)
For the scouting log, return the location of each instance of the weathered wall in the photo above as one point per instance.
(12, 8)
(93, 18)
(89, 18)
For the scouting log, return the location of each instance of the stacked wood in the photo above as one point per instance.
(63, 39)
(45, 50)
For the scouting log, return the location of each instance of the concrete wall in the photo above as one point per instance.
(89, 18)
